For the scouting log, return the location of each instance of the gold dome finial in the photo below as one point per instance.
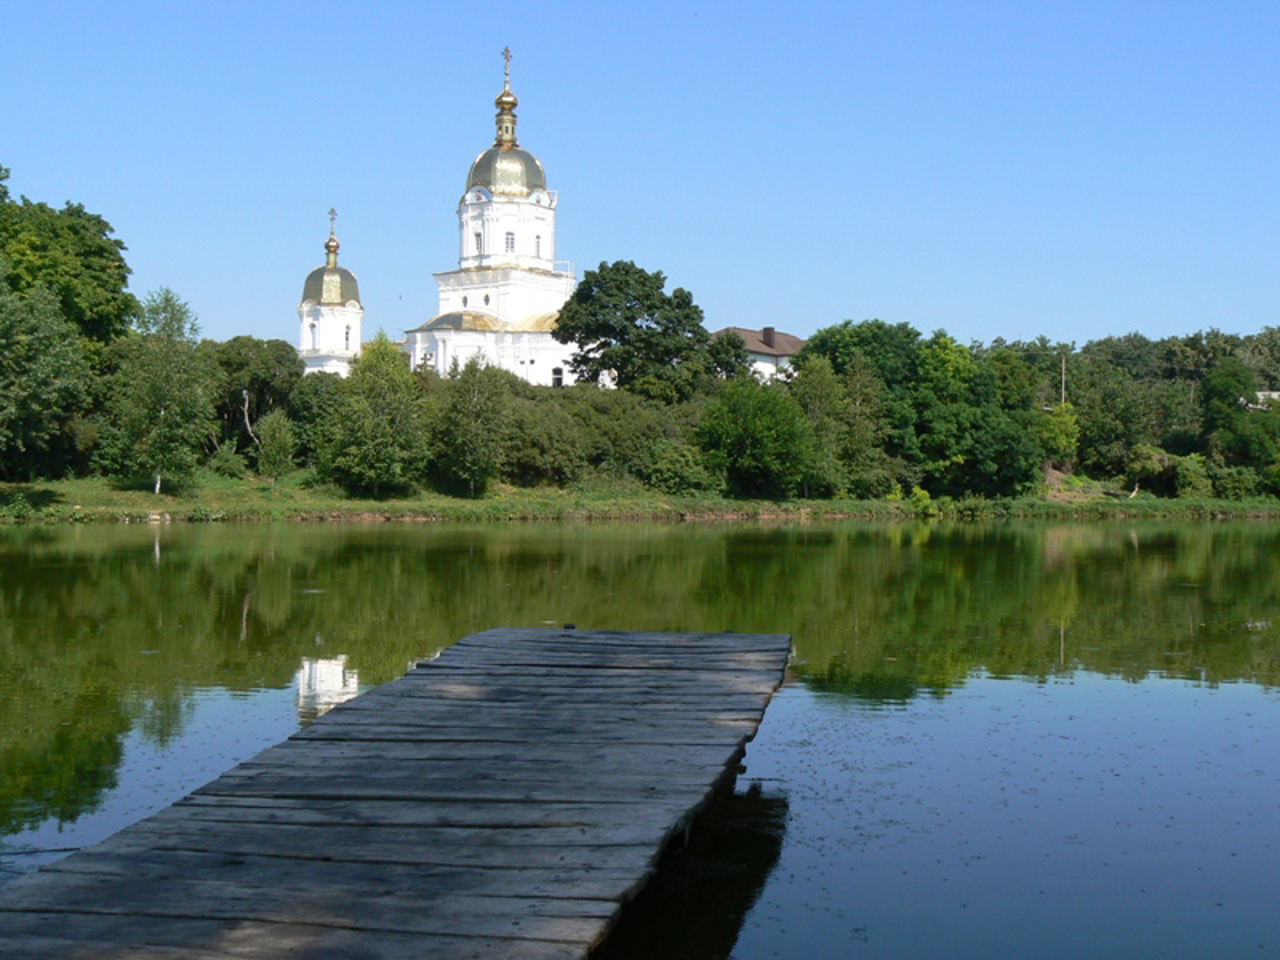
(506, 104)
(331, 245)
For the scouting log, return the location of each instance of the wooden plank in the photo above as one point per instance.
(310, 750)
(321, 903)
(321, 810)
(107, 937)
(125, 862)
(499, 801)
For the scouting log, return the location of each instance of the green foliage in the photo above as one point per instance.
(472, 428)
(758, 438)
(278, 444)
(71, 253)
(825, 403)
(892, 350)
(678, 469)
(1192, 479)
(1058, 433)
(545, 444)
(225, 462)
(1229, 483)
(620, 430)
(727, 352)
(313, 405)
(257, 376)
(375, 439)
(44, 382)
(628, 328)
(160, 410)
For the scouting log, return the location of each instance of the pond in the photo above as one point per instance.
(997, 739)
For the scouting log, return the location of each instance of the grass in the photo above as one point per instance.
(297, 497)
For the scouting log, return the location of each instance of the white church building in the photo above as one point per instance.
(331, 314)
(502, 302)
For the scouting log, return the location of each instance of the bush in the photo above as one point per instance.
(677, 469)
(225, 462)
(1192, 478)
(279, 444)
(1232, 483)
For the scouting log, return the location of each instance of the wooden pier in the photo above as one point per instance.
(501, 801)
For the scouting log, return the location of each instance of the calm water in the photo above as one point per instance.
(999, 740)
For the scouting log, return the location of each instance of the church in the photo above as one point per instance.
(501, 303)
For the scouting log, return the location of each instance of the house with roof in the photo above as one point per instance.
(771, 351)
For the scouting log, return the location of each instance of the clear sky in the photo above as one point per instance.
(1072, 169)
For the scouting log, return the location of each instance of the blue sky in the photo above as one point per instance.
(994, 169)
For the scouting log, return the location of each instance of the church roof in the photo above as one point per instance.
(506, 169)
(509, 172)
(487, 323)
(331, 285)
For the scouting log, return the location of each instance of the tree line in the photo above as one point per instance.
(94, 381)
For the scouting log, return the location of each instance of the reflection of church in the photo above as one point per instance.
(502, 302)
(322, 683)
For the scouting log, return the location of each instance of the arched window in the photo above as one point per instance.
(537, 245)
(313, 337)
(346, 339)
(557, 377)
(511, 242)
(479, 243)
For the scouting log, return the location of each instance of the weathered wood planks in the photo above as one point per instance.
(500, 801)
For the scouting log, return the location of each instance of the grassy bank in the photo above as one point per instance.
(212, 498)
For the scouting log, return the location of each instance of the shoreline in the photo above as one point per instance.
(247, 501)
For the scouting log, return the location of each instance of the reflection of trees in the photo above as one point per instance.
(106, 629)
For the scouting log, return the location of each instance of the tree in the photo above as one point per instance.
(277, 444)
(71, 253)
(473, 427)
(160, 413)
(313, 406)
(822, 397)
(757, 437)
(1237, 432)
(44, 379)
(728, 354)
(376, 438)
(257, 377)
(627, 327)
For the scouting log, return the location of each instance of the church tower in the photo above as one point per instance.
(502, 302)
(331, 314)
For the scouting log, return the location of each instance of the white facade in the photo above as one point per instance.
(501, 303)
(331, 316)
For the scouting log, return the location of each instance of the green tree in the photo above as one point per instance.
(728, 354)
(822, 397)
(44, 380)
(757, 437)
(472, 428)
(313, 407)
(1238, 430)
(870, 471)
(627, 327)
(71, 253)
(277, 444)
(258, 376)
(160, 412)
(376, 437)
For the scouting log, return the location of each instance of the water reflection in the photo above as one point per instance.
(322, 683)
(112, 636)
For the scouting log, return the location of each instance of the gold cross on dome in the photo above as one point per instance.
(333, 218)
(506, 66)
